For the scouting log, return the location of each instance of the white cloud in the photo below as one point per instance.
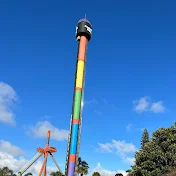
(131, 127)
(121, 148)
(105, 172)
(8, 159)
(7, 147)
(142, 104)
(7, 97)
(140, 129)
(41, 128)
(17, 164)
(130, 160)
(35, 168)
(157, 107)
(145, 104)
(107, 147)
(11, 162)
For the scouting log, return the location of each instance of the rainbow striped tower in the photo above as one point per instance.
(83, 35)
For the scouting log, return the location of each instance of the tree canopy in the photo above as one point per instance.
(157, 155)
(28, 174)
(5, 171)
(57, 173)
(96, 174)
(82, 167)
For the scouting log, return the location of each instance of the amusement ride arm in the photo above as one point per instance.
(55, 162)
(28, 165)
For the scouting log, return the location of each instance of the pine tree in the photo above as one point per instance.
(145, 138)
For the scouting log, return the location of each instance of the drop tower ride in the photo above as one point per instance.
(83, 35)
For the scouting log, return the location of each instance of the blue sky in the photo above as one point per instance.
(130, 73)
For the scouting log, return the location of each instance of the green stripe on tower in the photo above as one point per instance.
(77, 104)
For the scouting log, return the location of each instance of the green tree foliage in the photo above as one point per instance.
(82, 167)
(57, 173)
(96, 174)
(145, 138)
(158, 155)
(5, 171)
(28, 174)
(129, 172)
(119, 174)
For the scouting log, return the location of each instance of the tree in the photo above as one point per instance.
(145, 138)
(28, 174)
(57, 173)
(5, 171)
(96, 174)
(119, 174)
(82, 167)
(157, 155)
(129, 172)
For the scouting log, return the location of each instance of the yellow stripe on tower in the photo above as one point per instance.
(79, 76)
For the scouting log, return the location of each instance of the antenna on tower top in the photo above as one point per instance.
(85, 15)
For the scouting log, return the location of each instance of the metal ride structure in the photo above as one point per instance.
(83, 35)
(42, 151)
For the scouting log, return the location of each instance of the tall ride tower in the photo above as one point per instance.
(83, 35)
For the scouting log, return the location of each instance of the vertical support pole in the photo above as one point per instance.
(77, 104)
(83, 35)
